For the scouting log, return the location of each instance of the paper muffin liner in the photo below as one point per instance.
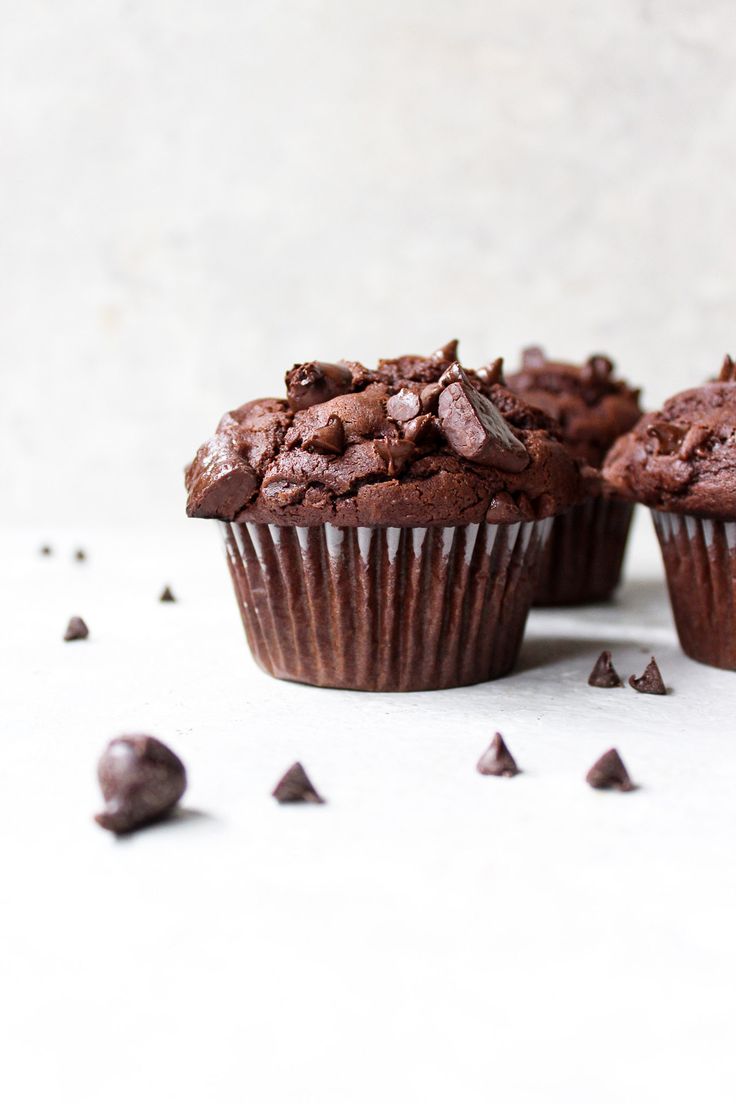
(700, 563)
(585, 553)
(385, 609)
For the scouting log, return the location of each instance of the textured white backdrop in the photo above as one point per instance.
(193, 195)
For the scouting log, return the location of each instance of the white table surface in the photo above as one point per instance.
(428, 934)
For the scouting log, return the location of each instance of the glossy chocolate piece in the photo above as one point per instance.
(604, 675)
(497, 760)
(477, 431)
(76, 629)
(316, 382)
(141, 781)
(609, 773)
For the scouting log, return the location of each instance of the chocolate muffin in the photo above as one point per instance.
(593, 408)
(681, 462)
(384, 527)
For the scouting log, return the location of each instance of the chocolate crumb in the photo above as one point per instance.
(80, 555)
(609, 773)
(141, 781)
(76, 629)
(167, 595)
(651, 682)
(296, 787)
(497, 760)
(604, 674)
(46, 550)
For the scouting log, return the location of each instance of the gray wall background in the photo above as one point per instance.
(194, 194)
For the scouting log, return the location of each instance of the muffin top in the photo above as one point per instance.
(592, 407)
(416, 441)
(683, 458)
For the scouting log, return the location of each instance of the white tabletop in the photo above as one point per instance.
(429, 934)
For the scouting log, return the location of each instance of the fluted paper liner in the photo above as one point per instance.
(700, 562)
(585, 553)
(385, 609)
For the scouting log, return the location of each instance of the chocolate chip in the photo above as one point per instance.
(604, 674)
(45, 550)
(609, 773)
(668, 436)
(316, 382)
(453, 374)
(497, 760)
(167, 595)
(728, 370)
(421, 430)
(329, 438)
(533, 357)
(76, 629)
(696, 436)
(447, 353)
(396, 454)
(80, 555)
(596, 367)
(295, 786)
(476, 429)
(404, 405)
(429, 396)
(490, 374)
(219, 481)
(651, 682)
(502, 510)
(141, 781)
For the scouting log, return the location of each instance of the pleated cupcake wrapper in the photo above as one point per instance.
(385, 609)
(585, 553)
(700, 562)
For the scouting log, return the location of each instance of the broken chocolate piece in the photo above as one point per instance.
(396, 454)
(609, 773)
(429, 397)
(476, 429)
(167, 595)
(219, 481)
(728, 370)
(45, 550)
(316, 382)
(404, 405)
(651, 682)
(604, 674)
(141, 781)
(328, 438)
(295, 786)
(497, 760)
(76, 629)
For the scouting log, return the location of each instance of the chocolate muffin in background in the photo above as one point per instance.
(593, 408)
(681, 462)
(384, 527)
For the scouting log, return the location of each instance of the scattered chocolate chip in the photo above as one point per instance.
(497, 760)
(421, 430)
(597, 367)
(396, 454)
(219, 481)
(316, 382)
(446, 353)
(669, 436)
(76, 629)
(429, 396)
(728, 370)
(328, 438)
(651, 682)
(533, 357)
(604, 674)
(295, 786)
(404, 405)
(46, 550)
(491, 373)
(609, 773)
(166, 595)
(80, 555)
(141, 781)
(476, 429)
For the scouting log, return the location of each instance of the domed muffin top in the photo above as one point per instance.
(683, 458)
(592, 407)
(416, 441)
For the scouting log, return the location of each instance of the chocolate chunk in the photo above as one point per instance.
(651, 682)
(316, 382)
(669, 436)
(167, 595)
(396, 454)
(141, 781)
(497, 760)
(476, 430)
(429, 397)
(295, 786)
(596, 368)
(490, 374)
(421, 430)
(80, 555)
(609, 773)
(45, 550)
(453, 374)
(220, 482)
(533, 357)
(404, 405)
(604, 674)
(328, 438)
(76, 629)
(728, 370)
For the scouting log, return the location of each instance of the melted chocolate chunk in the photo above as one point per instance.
(167, 595)
(604, 674)
(477, 431)
(329, 439)
(609, 773)
(651, 682)
(295, 786)
(396, 454)
(429, 397)
(728, 370)
(141, 781)
(404, 405)
(76, 629)
(220, 482)
(668, 436)
(421, 430)
(316, 382)
(497, 760)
